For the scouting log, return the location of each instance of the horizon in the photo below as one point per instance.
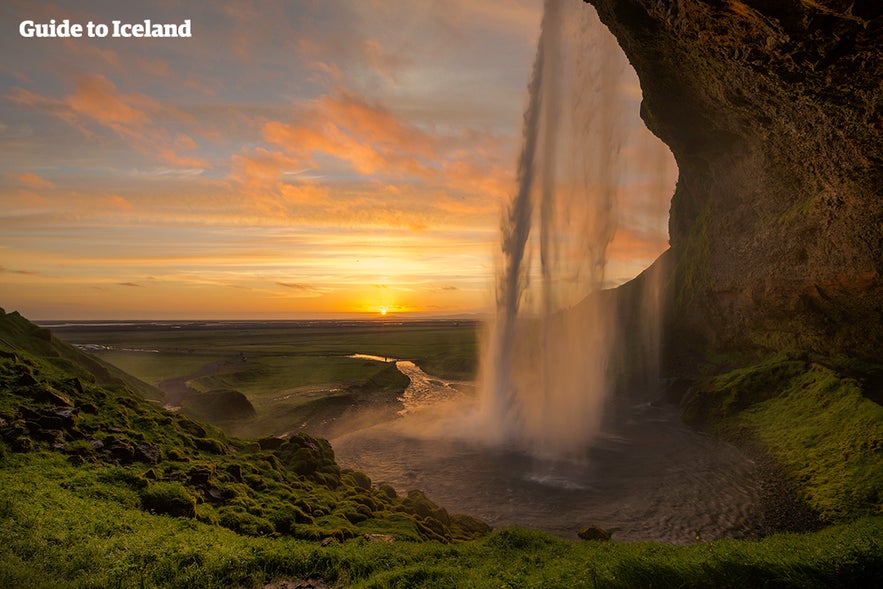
(301, 160)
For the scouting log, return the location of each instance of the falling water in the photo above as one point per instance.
(547, 369)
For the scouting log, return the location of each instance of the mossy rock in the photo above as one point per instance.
(286, 518)
(356, 479)
(466, 527)
(243, 522)
(594, 533)
(722, 396)
(310, 457)
(169, 498)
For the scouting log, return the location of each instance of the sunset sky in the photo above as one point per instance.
(293, 159)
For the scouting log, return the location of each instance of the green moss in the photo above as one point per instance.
(817, 424)
(244, 522)
(170, 499)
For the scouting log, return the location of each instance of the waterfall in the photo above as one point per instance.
(546, 367)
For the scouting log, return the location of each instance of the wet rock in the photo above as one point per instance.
(773, 113)
(594, 533)
(327, 541)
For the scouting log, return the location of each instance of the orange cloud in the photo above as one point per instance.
(134, 117)
(31, 181)
(373, 141)
(119, 202)
(97, 98)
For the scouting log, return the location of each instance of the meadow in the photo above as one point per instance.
(296, 375)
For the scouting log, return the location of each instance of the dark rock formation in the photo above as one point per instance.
(774, 113)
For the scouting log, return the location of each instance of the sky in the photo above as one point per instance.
(291, 159)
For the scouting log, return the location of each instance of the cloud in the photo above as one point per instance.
(132, 284)
(301, 290)
(24, 272)
(119, 202)
(30, 181)
(386, 63)
(96, 103)
(406, 174)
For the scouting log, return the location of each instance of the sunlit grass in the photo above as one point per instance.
(53, 534)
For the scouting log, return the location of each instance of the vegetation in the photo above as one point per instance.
(167, 463)
(298, 374)
(818, 425)
(99, 488)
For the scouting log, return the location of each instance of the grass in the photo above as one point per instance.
(121, 493)
(153, 368)
(56, 534)
(295, 375)
(443, 348)
(818, 425)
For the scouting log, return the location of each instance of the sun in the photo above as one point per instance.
(383, 311)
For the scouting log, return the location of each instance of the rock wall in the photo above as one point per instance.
(773, 110)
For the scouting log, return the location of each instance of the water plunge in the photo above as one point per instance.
(547, 367)
(535, 451)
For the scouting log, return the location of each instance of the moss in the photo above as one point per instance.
(243, 522)
(169, 498)
(816, 423)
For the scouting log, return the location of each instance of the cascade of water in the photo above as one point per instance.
(546, 371)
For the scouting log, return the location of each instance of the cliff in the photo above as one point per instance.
(774, 113)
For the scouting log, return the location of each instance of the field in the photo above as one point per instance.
(296, 375)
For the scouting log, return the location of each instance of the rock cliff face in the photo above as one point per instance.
(774, 112)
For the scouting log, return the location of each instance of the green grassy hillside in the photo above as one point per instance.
(101, 488)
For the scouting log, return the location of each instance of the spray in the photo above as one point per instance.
(547, 365)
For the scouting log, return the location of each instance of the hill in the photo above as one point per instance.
(102, 488)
